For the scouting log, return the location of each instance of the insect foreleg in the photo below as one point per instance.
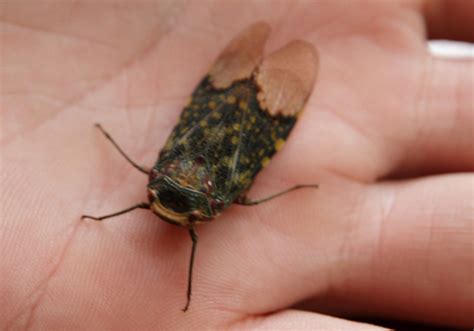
(145, 170)
(247, 202)
(141, 205)
(194, 238)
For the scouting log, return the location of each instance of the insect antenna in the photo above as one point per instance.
(145, 170)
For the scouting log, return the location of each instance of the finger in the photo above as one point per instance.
(450, 19)
(444, 121)
(302, 320)
(417, 262)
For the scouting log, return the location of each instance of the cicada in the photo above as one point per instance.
(238, 117)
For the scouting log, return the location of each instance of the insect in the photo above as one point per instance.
(238, 117)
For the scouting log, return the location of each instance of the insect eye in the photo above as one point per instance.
(152, 175)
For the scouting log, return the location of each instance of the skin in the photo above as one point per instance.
(387, 134)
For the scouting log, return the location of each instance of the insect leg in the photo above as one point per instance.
(141, 205)
(145, 170)
(247, 202)
(194, 238)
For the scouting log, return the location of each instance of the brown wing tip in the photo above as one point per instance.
(286, 78)
(239, 59)
(259, 28)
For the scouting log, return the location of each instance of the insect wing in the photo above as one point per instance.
(286, 78)
(241, 114)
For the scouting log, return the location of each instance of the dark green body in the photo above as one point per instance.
(221, 142)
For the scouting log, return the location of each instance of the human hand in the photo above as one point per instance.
(387, 134)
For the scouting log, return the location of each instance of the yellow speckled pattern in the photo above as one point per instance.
(229, 131)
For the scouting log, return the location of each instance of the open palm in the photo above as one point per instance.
(387, 133)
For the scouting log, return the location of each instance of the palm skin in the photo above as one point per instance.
(387, 134)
